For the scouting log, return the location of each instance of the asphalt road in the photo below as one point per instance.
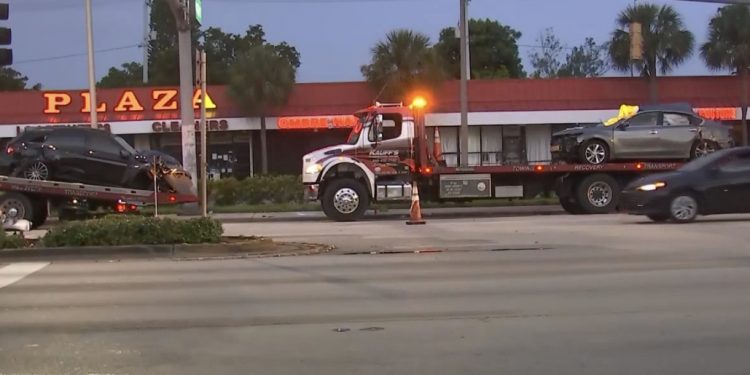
(616, 300)
(605, 232)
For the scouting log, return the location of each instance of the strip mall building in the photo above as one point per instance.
(511, 121)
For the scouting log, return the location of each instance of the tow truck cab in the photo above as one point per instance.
(375, 164)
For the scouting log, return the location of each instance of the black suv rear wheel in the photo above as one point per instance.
(36, 170)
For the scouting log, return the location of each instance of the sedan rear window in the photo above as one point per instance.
(676, 119)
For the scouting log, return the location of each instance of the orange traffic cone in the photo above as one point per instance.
(415, 213)
(437, 146)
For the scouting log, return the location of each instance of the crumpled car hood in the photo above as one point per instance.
(181, 183)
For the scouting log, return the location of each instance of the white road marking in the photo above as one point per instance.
(14, 272)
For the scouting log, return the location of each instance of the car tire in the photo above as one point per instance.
(594, 152)
(345, 199)
(703, 147)
(658, 218)
(37, 170)
(598, 194)
(683, 208)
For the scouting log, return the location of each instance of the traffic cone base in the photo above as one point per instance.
(415, 213)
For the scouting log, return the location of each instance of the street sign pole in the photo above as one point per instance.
(204, 135)
(91, 70)
(464, 86)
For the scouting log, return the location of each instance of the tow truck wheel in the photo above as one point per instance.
(345, 200)
(18, 206)
(598, 194)
(571, 206)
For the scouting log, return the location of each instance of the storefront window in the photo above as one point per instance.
(488, 145)
(538, 138)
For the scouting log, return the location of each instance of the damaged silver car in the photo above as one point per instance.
(664, 132)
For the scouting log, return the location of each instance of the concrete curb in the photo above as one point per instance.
(175, 252)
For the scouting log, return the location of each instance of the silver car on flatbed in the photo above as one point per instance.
(671, 132)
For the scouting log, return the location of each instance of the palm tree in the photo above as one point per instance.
(259, 80)
(666, 42)
(728, 47)
(404, 62)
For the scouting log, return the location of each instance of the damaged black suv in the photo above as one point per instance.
(90, 156)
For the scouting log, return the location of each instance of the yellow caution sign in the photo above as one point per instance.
(197, 100)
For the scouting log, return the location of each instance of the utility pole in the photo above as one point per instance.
(201, 58)
(91, 69)
(464, 42)
(146, 38)
(181, 11)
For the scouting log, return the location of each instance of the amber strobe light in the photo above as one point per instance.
(419, 102)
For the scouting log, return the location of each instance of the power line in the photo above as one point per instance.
(61, 57)
(541, 47)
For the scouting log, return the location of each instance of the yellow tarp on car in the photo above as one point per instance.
(626, 111)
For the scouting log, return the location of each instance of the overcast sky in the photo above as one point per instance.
(333, 36)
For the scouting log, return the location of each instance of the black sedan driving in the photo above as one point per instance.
(715, 184)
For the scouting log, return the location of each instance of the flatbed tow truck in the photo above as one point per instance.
(388, 156)
(25, 199)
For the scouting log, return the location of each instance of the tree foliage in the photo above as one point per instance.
(546, 59)
(666, 41)
(222, 51)
(163, 61)
(13, 80)
(128, 75)
(728, 47)
(261, 78)
(587, 60)
(493, 46)
(403, 63)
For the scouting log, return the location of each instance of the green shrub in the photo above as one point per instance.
(263, 189)
(133, 230)
(11, 241)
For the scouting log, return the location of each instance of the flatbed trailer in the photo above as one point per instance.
(32, 199)
(580, 188)
(371, 168)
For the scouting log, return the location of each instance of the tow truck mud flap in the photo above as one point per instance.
(466, 186)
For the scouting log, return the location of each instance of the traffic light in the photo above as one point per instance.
(6, 54)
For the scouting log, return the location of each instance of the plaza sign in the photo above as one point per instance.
(158, 100)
